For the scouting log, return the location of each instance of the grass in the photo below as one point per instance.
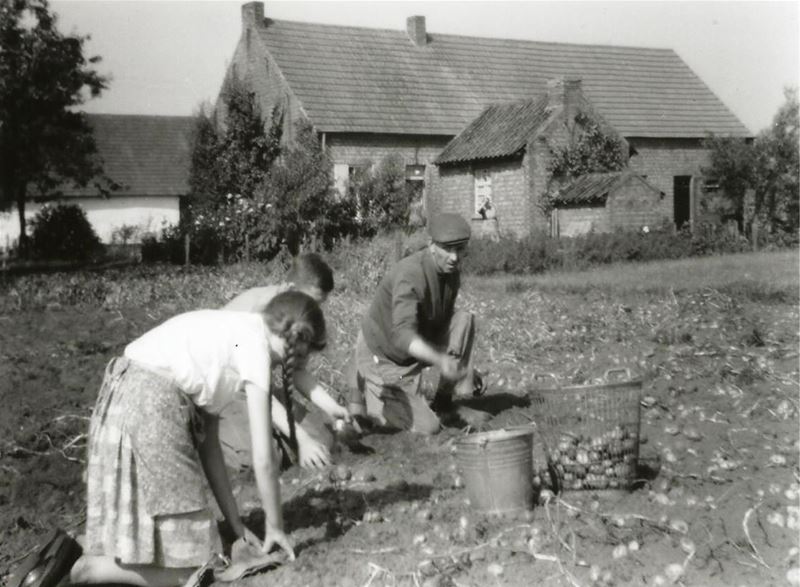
(763, 276)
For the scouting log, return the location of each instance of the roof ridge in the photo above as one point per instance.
(433, 35)
(113, 115)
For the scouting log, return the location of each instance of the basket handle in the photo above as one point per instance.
(618, 370)
(547, 376)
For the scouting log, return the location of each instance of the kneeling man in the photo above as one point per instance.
(412, 324)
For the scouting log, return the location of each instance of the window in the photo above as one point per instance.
(710, 186)
(483, 193)
(341, 178)
(415, 173)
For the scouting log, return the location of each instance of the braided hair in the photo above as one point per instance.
(295, 317)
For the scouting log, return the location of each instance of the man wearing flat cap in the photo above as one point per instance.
(412, 324)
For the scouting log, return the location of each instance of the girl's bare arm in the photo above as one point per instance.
(265, 461)
(308, 386)
(266, 466)
(213, 464)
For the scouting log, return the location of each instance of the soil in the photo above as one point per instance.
(718, 497)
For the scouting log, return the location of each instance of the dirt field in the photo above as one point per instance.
(719, 364)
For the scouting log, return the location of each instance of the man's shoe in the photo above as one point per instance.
(479, 384)
(442, 402)
(207, 574)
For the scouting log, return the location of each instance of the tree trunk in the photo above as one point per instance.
(293, 242)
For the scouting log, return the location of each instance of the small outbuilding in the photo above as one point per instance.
(604, 202)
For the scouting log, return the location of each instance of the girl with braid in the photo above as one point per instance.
(154, 447)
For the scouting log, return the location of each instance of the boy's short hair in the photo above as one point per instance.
(310, 270)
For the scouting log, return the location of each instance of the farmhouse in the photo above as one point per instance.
(148, 158)
(370, 93)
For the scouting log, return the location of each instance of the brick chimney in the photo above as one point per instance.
(564, 92)
(253, 14)
(415, 27)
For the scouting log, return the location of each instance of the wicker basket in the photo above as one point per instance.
(590, 432)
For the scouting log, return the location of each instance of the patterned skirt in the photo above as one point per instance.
(147, 493)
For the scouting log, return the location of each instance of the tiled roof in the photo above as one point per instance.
(593, 188)
(147, 155)
(351, 79)
(500, 130)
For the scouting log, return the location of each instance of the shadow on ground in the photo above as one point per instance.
(337, 508)
(496, 402)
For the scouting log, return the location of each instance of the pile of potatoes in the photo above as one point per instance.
(605, 460)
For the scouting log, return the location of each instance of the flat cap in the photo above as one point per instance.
(449, 229)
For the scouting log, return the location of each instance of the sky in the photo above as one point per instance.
(170, 57)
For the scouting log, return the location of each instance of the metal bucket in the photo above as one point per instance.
(497, 467)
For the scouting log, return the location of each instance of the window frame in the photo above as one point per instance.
(483, 188)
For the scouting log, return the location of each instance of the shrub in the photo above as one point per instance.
(539, 253)
(292, 204)
(63, 232)
(205, 245)
(532, 254)
(383, 195)
(359, 264)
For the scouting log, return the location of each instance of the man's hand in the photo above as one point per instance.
(451, 370)
(447, 364)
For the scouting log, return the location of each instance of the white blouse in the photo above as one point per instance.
(210, 354)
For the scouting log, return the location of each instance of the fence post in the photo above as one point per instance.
(754, 233)
(398, 246)
(186, 245)
(247, 248)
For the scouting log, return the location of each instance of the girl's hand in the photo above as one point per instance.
(274, 537)
(337, 412)
(312, 454)
(251, 539)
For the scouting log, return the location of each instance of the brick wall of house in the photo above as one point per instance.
(355, 149)
(660, 160)
(509, 194)
(537, 156)
(352, 148)
(633, 205)
(453, 190)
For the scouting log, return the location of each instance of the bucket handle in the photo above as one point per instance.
(618, 370)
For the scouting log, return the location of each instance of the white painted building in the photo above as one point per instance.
(148, 156)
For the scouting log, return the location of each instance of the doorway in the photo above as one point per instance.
(682, 200)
